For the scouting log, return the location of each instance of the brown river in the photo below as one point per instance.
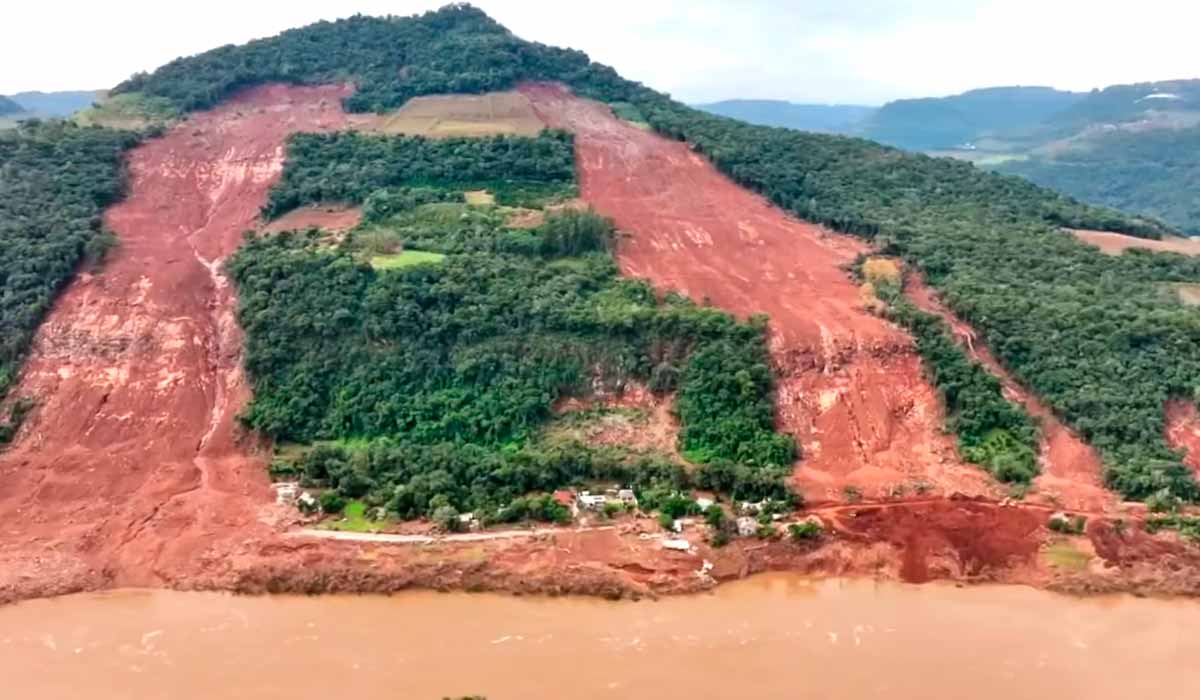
(767, 637)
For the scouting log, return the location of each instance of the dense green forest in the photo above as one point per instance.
(55, 180)
(1155, 173)
(433, 379)
(992, 431)
(348, 167)
(1091, 334)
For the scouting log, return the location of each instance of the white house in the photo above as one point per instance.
(592, 501)
(747, 526)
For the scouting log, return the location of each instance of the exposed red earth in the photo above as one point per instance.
(851, 388)
(133, 470)
(132, 467)
(1183, 431)
(1072, 473)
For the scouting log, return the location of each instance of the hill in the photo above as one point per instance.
(56, 104)
(1154, 172)
(833, 119)
(8, 107)
(781, 318)
(938, 123)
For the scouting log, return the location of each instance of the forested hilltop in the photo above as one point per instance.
(1091, 334)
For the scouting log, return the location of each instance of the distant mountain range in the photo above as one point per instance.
(1133, 147)
(838, 119)
(24, 105)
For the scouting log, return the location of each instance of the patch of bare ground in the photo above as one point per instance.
(1117, 243)
(1072, 473)
(635, 418)
(333, 218)
(444, 116)
(1183, 431)
(851, 388)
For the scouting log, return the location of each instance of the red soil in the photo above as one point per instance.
(132, 471)
(1183, 431)
(1072, 472)
(330, 218)
(851, 387)
(132, 468)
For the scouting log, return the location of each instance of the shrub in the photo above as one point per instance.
(806, 531)
(332, 503)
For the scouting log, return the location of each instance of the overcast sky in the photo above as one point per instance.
(863, 51)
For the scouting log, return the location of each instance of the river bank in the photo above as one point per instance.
(771, 636)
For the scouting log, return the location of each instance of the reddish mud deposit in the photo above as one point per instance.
(132, 471)
(851, 387)
(330, 218)
(1072, 472)
(1183, 431)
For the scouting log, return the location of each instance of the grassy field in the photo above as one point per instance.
(406, 259)
(463, 115)
(128, 111)
(354, 520)
(479, 198)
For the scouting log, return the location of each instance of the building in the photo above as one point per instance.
(626, 496)
(592, 501)
(677, 545)
(747, 526)
(705, 503)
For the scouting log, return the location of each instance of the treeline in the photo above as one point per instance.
(1099, 345)
(442, 480)
(1096, 342)
(992, 431)
(349, 167)
(55, 180)
(1155, 173)
(455, 365)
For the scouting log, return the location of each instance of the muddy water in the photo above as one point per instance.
(769, 637)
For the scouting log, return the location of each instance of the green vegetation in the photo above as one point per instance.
(1087, 332)
(350, 167)
(992, 431)
(128, 111)
(1155, 173)
(354, 516)
(946, 122)
(406, 259)
(806, 531)
(55, 180)
(436, 379)
(1187, 526)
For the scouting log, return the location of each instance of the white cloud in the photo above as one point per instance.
(808, 50)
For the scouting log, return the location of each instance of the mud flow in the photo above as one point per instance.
(132, 464)
(850, 387)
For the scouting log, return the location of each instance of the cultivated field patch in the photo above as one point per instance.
(444, 116)
(1117, 243)
(406, 259)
